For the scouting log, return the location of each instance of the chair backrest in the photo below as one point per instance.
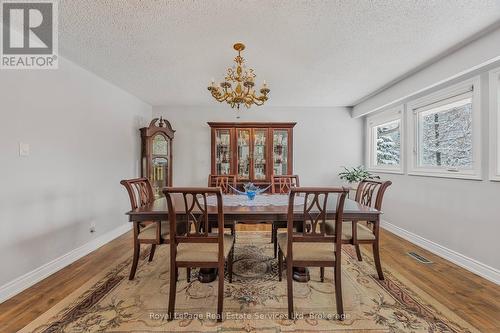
(316, 201)
(222, 181)
(189, 205)
(139, 190)
(283, 184)
(369, 189)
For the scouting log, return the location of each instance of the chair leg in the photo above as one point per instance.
(275, 240)
(338, 291)
(220, 294)
(289, 282)
(358, 252)
(322, 274)
(152, 252)
(280, 264)
(273, 231)
(171, 294)
(376, 257)
(135, 260)
(188, 274)
(230, 265)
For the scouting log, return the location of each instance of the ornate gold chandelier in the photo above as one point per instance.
(243, 91)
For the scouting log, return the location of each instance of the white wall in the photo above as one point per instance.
(458, 219)
(83, 135)
(458, 215)
(324, 139)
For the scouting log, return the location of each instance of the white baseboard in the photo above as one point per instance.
(25, 281)
(469, 264)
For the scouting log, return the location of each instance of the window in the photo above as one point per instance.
(494, 83)
(385, 141)
(445, 137)
(444, 132)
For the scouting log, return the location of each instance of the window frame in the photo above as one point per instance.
(471, 85)
(494, 99)
(372, 122)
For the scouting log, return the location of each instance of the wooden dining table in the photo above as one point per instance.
(248, 214)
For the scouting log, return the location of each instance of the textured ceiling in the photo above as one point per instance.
(311, 53)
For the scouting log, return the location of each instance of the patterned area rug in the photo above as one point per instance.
(254, 302)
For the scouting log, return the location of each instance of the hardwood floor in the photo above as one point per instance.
(473, 298)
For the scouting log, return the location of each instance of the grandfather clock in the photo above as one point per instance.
(156, 154)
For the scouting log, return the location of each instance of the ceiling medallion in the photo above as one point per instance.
(238, 84)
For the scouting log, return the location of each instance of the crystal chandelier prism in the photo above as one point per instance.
(238, 85)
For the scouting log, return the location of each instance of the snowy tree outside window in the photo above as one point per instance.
(445, 135)
(388, 141)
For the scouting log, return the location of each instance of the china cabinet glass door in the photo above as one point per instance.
(159, 163)
(260, 154)
(223, 151)
(243, 150)
(280, 152)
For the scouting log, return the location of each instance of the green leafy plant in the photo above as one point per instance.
(358, 174)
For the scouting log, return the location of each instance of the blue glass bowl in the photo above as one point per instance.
(251, 194)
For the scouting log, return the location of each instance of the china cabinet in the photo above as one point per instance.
(254, 152)
(156, 154)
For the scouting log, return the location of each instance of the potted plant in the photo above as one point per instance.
(354, 175)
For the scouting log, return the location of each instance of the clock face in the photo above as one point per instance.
(160, 145)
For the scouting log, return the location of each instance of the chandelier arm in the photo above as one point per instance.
(219, 97)
(260, 98)
(249, 100)
(258, 103)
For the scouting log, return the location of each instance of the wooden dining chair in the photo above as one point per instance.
(311, 246)
(197, 247)
(369, 193)
(140, 193)
(281, 185)
(224, 182)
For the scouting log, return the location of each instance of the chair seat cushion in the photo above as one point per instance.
(204, 252)
(362, 233)
(149, 231)
(307, 251)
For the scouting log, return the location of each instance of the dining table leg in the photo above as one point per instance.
(301, 274)
(207, 275)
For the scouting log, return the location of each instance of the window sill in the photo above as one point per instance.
(495, 178)
(446, 175)
(392, 171)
